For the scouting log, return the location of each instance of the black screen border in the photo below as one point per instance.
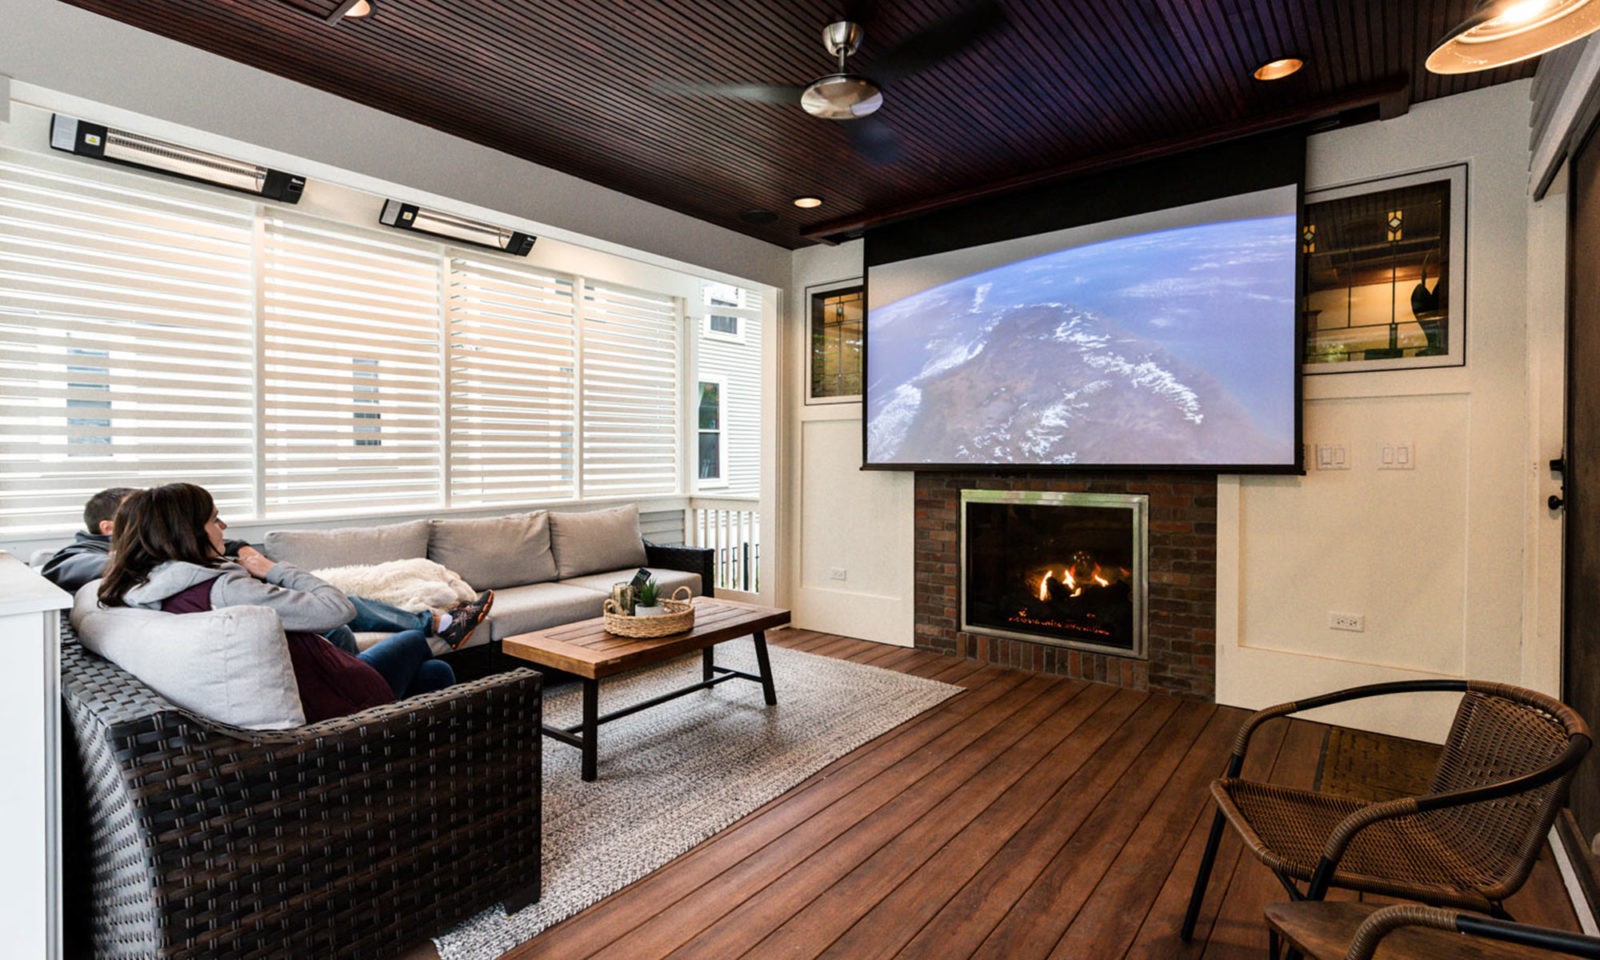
(1212, 173)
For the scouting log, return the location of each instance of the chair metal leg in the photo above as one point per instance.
(1202, 877)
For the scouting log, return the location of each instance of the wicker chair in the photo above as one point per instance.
(1469, 842)
(355, 837)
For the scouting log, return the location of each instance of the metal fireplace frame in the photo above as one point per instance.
(1137, 503)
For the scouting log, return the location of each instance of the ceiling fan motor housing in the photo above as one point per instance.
(842, 96)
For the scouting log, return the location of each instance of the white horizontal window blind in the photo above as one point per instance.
(351, 368)
(631, 391)
(126, 340)
(513, 382)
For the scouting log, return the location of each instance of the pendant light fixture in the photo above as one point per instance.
(1502, 32)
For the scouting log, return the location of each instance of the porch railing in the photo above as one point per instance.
(732, 529)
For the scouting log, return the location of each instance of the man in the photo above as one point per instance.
(81, 561)
(85, 558)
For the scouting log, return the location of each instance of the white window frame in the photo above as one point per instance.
(711, 333)
(720, 481)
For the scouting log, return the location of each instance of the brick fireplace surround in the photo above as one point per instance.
(1182, 573)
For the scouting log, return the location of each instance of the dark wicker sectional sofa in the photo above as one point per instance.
(355, 837)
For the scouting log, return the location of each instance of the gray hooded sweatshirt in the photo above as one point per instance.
(303, 602)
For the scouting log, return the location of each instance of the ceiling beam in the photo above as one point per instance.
(1391, 96)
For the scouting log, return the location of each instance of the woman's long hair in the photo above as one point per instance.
(153, 526)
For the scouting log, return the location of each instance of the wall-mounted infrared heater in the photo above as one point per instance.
(408, 216)
(147, 153)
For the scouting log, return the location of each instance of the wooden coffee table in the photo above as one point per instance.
(586, 649)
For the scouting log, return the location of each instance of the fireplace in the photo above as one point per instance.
(1066, 569)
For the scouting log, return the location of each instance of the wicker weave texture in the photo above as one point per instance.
(699, 560)
(1471, 855)
(355, 837)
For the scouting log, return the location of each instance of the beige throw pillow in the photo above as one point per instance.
(496, 552)
(348, 546)
(596, 540)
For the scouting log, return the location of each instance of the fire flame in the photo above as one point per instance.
(1077, 582)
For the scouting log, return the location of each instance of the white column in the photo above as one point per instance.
(30, 705)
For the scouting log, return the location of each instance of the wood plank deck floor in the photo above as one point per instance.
(1029, 817)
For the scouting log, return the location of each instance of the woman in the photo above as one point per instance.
(166, 554)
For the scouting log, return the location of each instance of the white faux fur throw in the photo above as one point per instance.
(413, 585)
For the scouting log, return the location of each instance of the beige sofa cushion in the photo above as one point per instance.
(596, 540)
(540, 605)
(229, 665)
(348, 546)
(668, 580)
(496, 552)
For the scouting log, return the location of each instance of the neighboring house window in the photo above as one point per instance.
(710, 426)
(722, 302)
(367, 433)
(88, 431)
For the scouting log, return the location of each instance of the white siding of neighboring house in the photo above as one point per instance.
(738, 367)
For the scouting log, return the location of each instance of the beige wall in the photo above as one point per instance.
(1455, 565)
(1450, 563)
(840, 517)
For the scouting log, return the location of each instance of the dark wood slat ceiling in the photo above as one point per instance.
(572, 84)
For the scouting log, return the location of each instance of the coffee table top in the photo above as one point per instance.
(586, 649)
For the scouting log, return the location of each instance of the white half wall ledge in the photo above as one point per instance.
(73, 59)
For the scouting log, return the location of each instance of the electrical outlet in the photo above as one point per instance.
(837, 573)
(1353, 622)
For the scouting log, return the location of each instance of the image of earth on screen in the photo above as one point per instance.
(1169, 347)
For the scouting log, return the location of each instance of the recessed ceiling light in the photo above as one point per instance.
(806, 203)
(1278, 69)
(351, 9)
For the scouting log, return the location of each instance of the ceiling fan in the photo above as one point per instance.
(854, 97)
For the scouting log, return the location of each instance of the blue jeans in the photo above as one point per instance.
(376, 616)
(405, 661)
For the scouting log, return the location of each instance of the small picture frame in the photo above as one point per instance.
(836, 316)
(1383, 273)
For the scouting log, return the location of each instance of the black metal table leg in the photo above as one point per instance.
(767, 689)
(708, 663)
(591, 728)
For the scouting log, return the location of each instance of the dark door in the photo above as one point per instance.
(1580, 655)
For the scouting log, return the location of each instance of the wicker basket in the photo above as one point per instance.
(678, 619)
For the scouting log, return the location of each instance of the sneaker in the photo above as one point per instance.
(465, 618)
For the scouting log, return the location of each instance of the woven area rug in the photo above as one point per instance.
(677, 773)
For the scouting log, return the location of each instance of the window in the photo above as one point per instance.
(513, 383)
(351, 366)
(630, 397)
(153, 331)
(727, 307)
(836, 315)
(709, 414)
(127, 307)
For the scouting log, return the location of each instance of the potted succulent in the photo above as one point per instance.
(647, 600)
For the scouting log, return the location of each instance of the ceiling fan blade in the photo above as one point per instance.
(874, 139)
(939, 41)
(758, 92)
